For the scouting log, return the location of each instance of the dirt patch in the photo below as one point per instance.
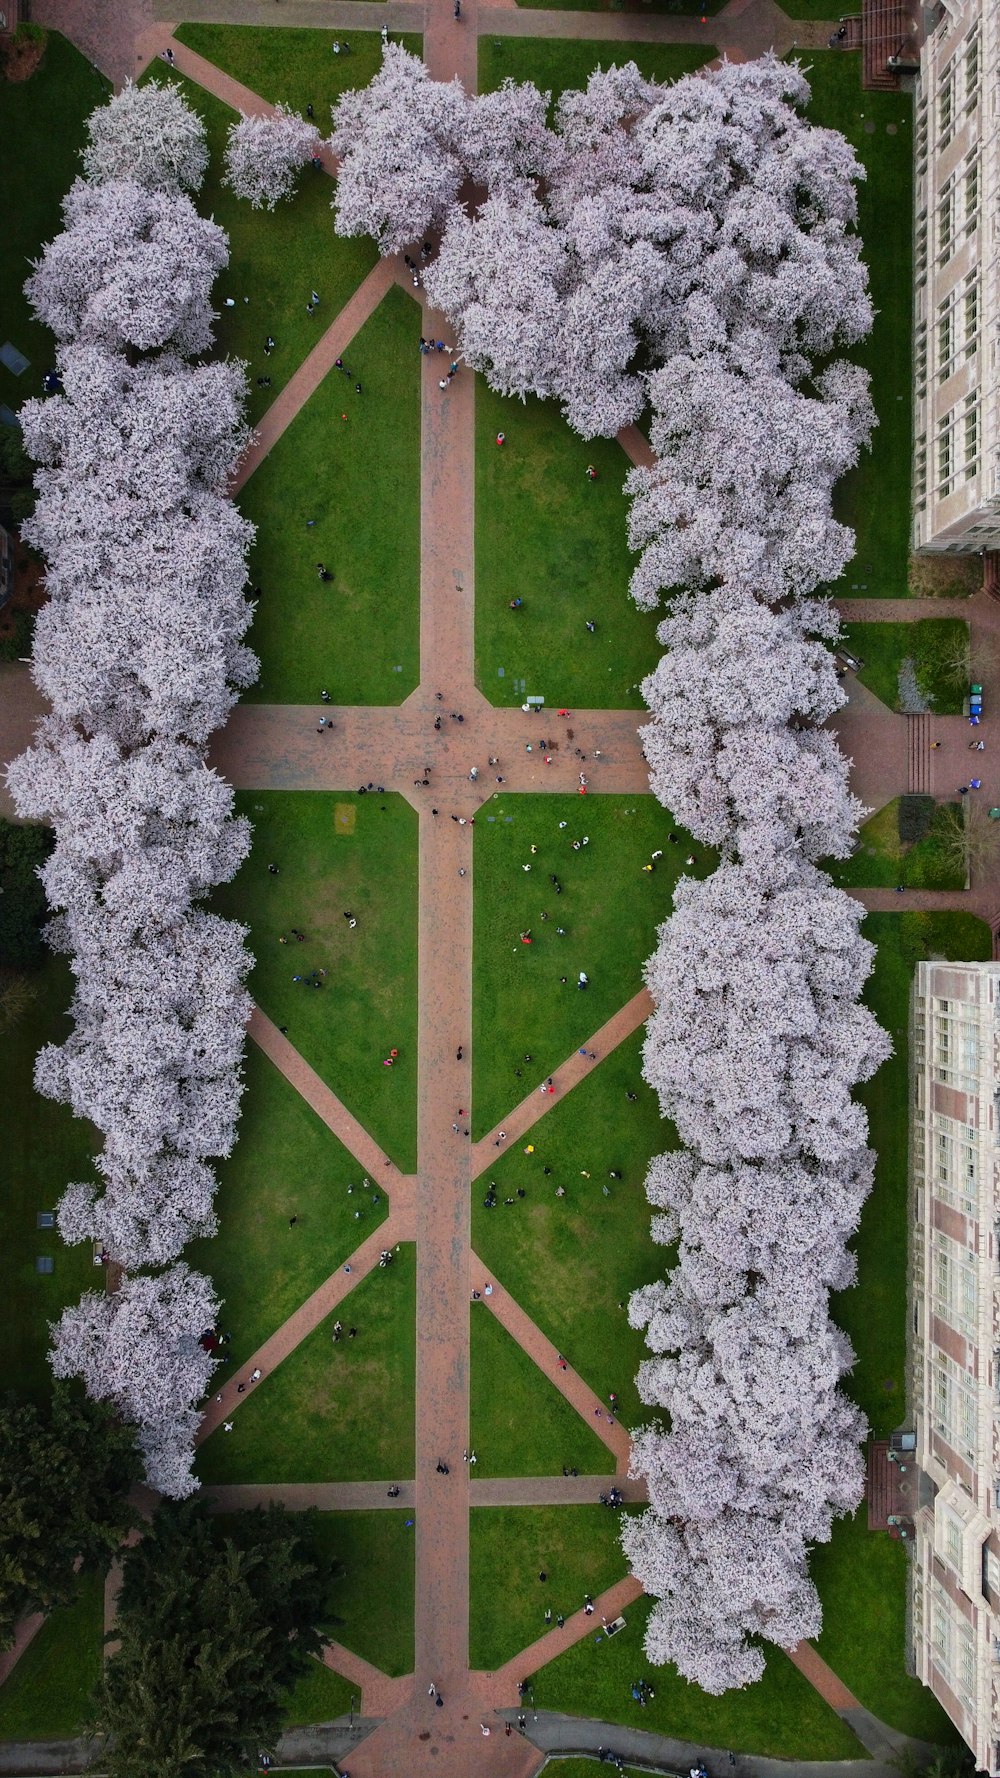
(345, 816)
(21, 52)
(944, 577)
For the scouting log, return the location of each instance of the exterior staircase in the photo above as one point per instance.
(918, 755)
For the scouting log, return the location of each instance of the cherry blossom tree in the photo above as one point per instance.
(400, 141)
(266, 154)
(131, 267)
(149, 134)
(141, 653)
(139, 1349)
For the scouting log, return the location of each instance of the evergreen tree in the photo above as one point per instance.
(65, 1474)
(216, 1621)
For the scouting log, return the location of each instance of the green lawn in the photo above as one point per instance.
(374, 1599)
(883, 860)
(48, 1695)
(863, 1581)
(519, 1422)
(319, 1696)
(813, 9)
(333, 1413)
(570, 1262)
(928, 644)
(292, 67)
(547, 535)
(337, 854)
(875, 497)
(873, 1314)
(681, 8)
(40, 138)
(286, 1163)
(576, 1547)
(555, 63)
(45, 1148)
(358, 479)
(276, 259)
(610, 909)
(782, 1716)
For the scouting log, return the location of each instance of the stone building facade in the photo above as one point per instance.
(956, 411)
(955, 1144)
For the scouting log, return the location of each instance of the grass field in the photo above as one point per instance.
(547, 535)
(44, 1148)
(610, 909)
(882, 859)
(292, 67)
(875, 497)
(48, 1695)
(519, 1423)
(782, 1716)
(276, 259)
(928, 644)
(863, 1579)
(874, 1314)
(338, 854)
(572, 1261)
(333, 1413)
(577, 1548)
(357, 478)
(319, 1696)
(40, 138)
(555, 63)
(374, 1599)
(286, 1163)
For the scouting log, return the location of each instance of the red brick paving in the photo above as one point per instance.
(813, 1667)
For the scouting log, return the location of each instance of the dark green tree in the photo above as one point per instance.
(24, 847)
(65, 1474)
(216, 1621)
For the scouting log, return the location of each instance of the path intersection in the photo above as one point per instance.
(277, 746)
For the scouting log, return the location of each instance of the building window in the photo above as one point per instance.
(971, 435)
(970, 306)
(946, 221)
(953, 1543)
(946, 107)
(972, 70)
(971, 194)
(945, 469)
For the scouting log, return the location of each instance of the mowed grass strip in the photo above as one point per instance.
(286, 1164)
(41, 134)
(277, 258)
(293, 66)
(333, 1412)
(374, 1596)
(610, 908)
(555, 63)
(883, 859)
(362, 861)
(341, 489)
(863, 1581)
(49, 1692)
(554, 539)
(45, 1148)
(782, 1716)
(573, 1261)
(874, 498)
(519, 1422)
(931, 644)
(577, 1548)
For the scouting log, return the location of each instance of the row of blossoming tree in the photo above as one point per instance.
(690, 249)
(140, 652)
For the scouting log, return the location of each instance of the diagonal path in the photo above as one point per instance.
(534, 1105)
(399, 1187)
(568, 1382)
